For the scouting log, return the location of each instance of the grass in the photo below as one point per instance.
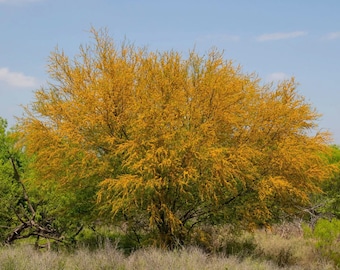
(278, 249)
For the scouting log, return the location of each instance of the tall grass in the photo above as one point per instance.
(272, 250)
(24, 257)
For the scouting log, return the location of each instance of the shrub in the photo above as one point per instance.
(327, 236)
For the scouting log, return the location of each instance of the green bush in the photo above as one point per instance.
(327, 236)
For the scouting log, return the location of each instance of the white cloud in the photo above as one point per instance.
(17, 79)
(333, 35)
(281, 35)
(276, 77)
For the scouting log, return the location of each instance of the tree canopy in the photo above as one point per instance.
(164, 143)
(327, 203)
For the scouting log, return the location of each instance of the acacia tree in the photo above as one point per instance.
(168, 143)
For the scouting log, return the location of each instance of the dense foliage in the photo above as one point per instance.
(9, 188)
(330, 201)
(18, 212)
(327, 203)
(162, 144)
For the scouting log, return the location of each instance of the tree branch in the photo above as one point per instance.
(18, 179)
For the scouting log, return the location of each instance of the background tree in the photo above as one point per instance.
(168, 143)
(327, 204)
(19, 217)
(25, 211)
(331, 187)
(9, 189)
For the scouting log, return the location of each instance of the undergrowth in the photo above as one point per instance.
(283, 247)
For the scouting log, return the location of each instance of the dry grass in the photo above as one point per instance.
(274, 251)
(23, 258)
(293, 252)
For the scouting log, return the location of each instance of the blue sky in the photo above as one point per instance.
(276, 39)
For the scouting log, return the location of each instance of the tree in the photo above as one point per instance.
(25, 210)
(19, 216)
(331, 187)
(9, 189)
(327, 203)
(167, 143)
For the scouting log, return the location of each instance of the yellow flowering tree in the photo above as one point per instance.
(167, 143)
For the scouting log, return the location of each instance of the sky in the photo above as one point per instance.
(276, 39)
